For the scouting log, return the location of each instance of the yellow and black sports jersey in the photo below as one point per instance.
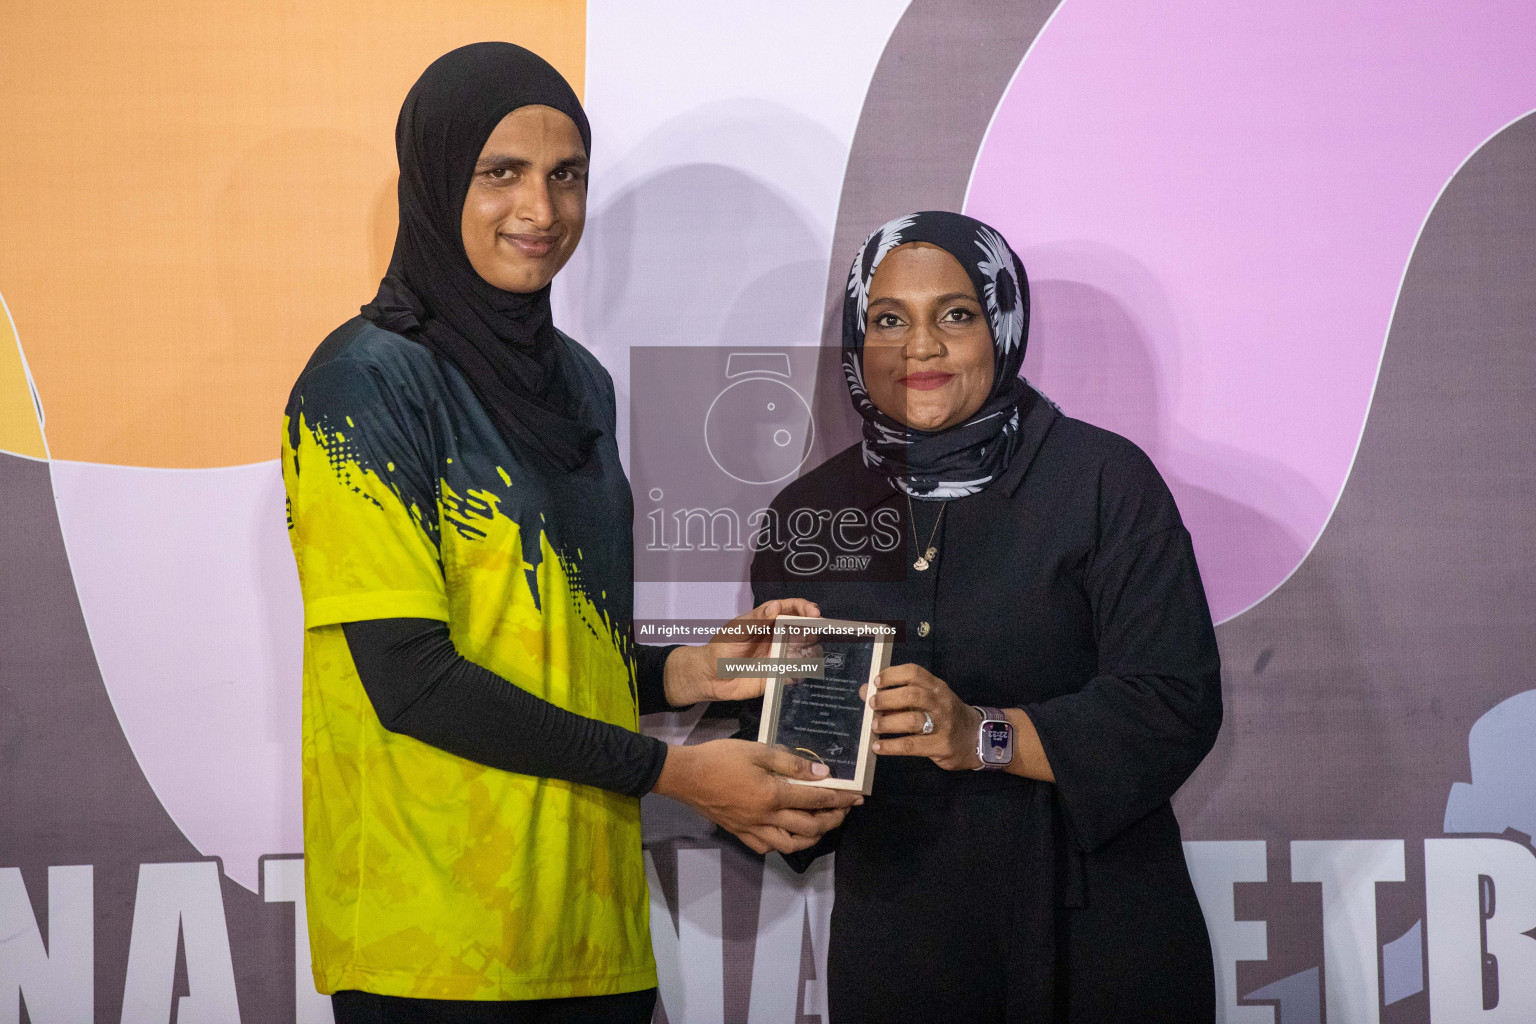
(428, 875)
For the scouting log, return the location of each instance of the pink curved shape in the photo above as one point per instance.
(1216, 204)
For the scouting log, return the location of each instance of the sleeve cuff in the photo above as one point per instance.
(378, 604)
(653, 770)
(1065, 786)
(651, 678)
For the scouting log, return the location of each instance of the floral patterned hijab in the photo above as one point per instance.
(965, 458)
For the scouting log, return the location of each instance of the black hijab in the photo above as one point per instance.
(504, 343)
(964, 458)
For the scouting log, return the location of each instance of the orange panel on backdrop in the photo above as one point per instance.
(193, 194)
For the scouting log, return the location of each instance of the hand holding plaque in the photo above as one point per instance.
(814, 709)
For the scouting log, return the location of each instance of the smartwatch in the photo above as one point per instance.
(994, 741)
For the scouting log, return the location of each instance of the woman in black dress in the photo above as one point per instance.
(1045, 578)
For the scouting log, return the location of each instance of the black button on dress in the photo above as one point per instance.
(1068, 588)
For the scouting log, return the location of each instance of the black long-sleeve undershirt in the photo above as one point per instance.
(421, 686)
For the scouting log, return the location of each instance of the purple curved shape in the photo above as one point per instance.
(1216, 205)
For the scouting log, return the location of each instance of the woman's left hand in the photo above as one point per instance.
(903, 695)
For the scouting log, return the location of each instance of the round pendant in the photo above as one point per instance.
(931, 554)
(920, 564)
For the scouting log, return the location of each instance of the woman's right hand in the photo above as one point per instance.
(744, 788)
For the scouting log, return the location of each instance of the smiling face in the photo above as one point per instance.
(527, 203)
(927, 349)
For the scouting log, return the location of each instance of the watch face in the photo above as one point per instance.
(997, 743)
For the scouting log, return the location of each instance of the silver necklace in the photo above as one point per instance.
(930, 552)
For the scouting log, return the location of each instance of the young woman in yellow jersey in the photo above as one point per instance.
(461, 523)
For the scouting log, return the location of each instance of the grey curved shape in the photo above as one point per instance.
(942, 74)
(1348, 690)
(72, 791)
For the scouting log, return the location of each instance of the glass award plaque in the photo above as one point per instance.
(814, 709)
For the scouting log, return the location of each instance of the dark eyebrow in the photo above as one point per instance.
(502, 162)
(507, 162)
(948, 297)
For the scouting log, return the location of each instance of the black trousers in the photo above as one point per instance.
(352, 1007)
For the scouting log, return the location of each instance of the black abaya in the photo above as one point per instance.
(1067, 587)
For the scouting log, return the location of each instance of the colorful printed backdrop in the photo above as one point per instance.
(1287, 249)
